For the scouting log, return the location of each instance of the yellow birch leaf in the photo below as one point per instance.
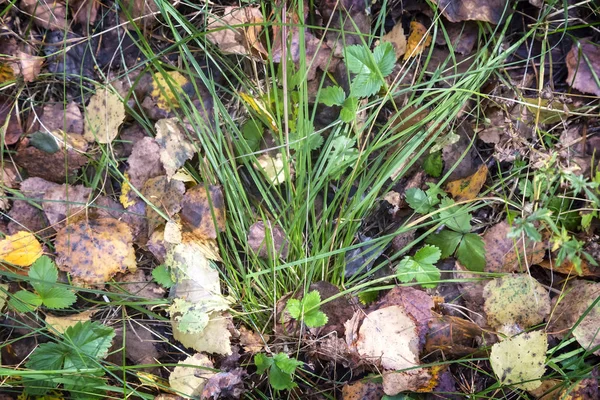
(418, 40)
(20, 249)
(60, 324)
(468, 188)
(104, 115)
(261, 109)
(166, 98)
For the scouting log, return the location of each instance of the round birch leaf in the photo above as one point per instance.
(189, 381)
(520, 360)
(20, 249)
(104, 115)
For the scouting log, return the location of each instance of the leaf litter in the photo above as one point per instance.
(518, 255)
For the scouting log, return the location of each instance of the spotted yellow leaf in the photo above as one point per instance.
(20, 249)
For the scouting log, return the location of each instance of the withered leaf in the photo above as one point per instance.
(144, 163)
(58, 117)
(237, 31)
(175, 148)
(49, 14)
(197, 210)
(64, 204)
(468, 188)
(268, 242)
(94, 251)
(397, 38)
(57, 167)
(8, 112)
(475, 10)
(503, 254)
(418, 40)
(85, 11)
(164, 195)
(582, 56)
(104, 115)
(21, 249)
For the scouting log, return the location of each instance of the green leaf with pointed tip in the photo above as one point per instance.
(24, 301)
(471, 252)
(58, 298)
(420, 267)
(332, 96)
(370, 68)
(294, 307)
(162, 276)
(433, 164)
(262, 363)
(447, 241)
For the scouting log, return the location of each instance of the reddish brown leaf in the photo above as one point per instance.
(49, 14)
(474, 10)
(64, 204)
(166, 196)
(56, 167)
(196, 211)
(582, 56)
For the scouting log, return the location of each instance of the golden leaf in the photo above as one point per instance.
(468, 188)
(20, 249)
(418, 40)
(104, 115)
(166, 89)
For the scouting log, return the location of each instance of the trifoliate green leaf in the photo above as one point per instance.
(162, 276)
(349, 109)
(420, 267)
(279, 380)
(307, 309)
(456, 219)
(90, 338)
(447, 241)
(370, 68)
(262, 363)
(471, 252)
(332, 96)
(294, 307)
(433, 164)
(385, 58)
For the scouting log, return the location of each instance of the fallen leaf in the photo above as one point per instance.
(514, 303)
(263, 112)
(57, 167)
(520, 359)
(3, 294)
(203, 211)
(503, 254)
(468, 188)
(175, 148)
(473, 10)
(225, 385)
(452, 337)
(397, 38)
(21, 249)
(188, 381)
(94, 251)
(30, 66)
(28, 214)
(59, 324)
(163, 195)
(172, 233)
(49, 14)
(139, 345)
(463, 36)
(274, 244)
(65, 204)
(581, 59)
(167, 87)
(12, 130)
(214, 338)
(237, 31)
(568, 309)
(143, 163)
(137, 284)
(362, 390)
(418, 40)
(142, 12)
(273, 168)
(251, 341)
(58, 117)
(413, 380)
(85, 11)
(104, 115)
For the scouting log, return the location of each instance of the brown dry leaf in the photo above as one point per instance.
(21, 249)
(251, 341)
(137, 284)
(473, 10)
(12, 130)
(225, 385)
(237, 31)
(59, 324)
(503, 254)
(175, 148)
(418, 40)
(452, 337)
(58, 117)
(514, 303)
(85, 11)
(165, 196)
(30, 66)
(104, 115)
(139, 344)
(468, 188)
(49, 14)
(568, 268)
(191, 381)
(141, 11)
(65, 204)
(143, 163)
(28, 214)
(197, 208)
(583, 55)
(362, 390)
(397, 38)
(463, 36)
(266, 246)
(413, 380)
(94, 251)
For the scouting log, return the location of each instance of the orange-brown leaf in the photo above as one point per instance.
(418, 40)
(197, 210)
(468, 188)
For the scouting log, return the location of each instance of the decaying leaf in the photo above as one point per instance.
(362, 390)
(144, 163)
(514, 303)
(214, 338)
(65, 204)
(397, 38)
(266, 245)
(225, 385)
(85, 11)
(49, 14)
(21, 249)
(468, 188)
(59, 324)
(473, 10)
(413, 380)
(59, 117)
(503, 254)
(520, 360)
(104, 115)
(584, 58)
(175, 148)
(273, 168)
(237, 31)
(167, 87)
(163, 195)
(418, 40)
(198, 207)
(57, 167)
(251, 341)
(94, 251)
(8, 112)
(29, 65)
(568, 309)
(188, 381)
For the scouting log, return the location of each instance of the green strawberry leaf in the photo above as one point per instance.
(279, 380)
(433, 164)
(349, 109)
(285, 363)
(332, 96)
(418, 200)
(294, 307)
(162, 276)
(58, 297)
(24, 301)
(420, 267)
(262, 363)
(471, 252)
(447, 241)
(456, 219)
